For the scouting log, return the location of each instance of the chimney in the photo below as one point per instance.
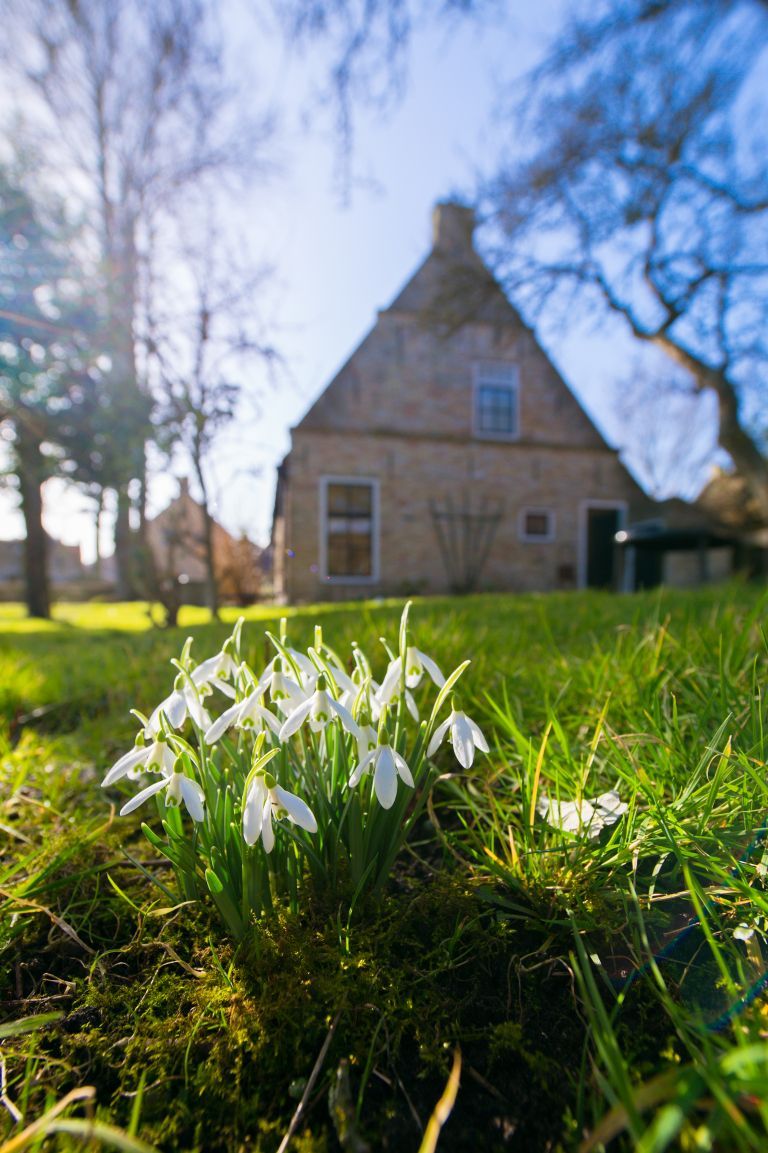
(452, 227)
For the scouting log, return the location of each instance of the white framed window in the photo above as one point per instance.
(536, 524)
(497, 401)
(349, 529)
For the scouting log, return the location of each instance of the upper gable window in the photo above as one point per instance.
(497, 388)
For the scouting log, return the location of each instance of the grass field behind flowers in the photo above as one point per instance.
(590, 991)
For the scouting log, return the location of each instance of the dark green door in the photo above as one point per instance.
(602, 526)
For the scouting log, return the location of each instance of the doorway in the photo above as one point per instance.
(600, 521)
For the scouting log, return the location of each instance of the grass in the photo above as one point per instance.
(592, 986)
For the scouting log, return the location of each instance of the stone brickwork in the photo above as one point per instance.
(403, 413)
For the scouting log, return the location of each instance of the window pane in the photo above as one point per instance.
(536, 524)
(349, 530)
(350, 499)
(496, 409)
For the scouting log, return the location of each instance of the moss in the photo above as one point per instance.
(224, 1036)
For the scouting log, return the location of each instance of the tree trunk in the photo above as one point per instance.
(125, 586)
(211, 587)
(31, 475)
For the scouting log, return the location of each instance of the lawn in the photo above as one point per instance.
(566, 953)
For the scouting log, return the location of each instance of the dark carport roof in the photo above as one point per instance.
(658, 539)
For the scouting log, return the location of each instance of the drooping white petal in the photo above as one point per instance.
(343, 680)
(175, 708)
(403, 771)
(461, 739)
(477, 736)
(345, 716)
(297, 810)
(127, 762)
(252, 811)
(296, 719)
(363, 767)
(141, 797)
(206, 670)
(385, 777)
(410, 704)
(267, 832)
(437, 737)
(224, 722)
(224, 687)
(391, 682)
(429, 667)
(194, 798)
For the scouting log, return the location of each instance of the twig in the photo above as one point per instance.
(309, 1086)
(62, 924)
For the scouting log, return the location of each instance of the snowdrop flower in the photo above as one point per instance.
(367, 740)
(185, 701)
(267, 801)
(157, 757)
(284, 692)
(744, 932)
(319, 710)
(584, 816)
(387, 766)
(212, 670)
(178, 788)
(465, 736)
(248, 713)
(416, 664)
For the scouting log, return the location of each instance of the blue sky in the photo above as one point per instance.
(339, 258)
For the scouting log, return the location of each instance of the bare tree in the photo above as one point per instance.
(130, 99)
(638, 187)
(201, 349)
(668, 434)
(367, 46)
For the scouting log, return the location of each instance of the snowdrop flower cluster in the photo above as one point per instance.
(309, 767)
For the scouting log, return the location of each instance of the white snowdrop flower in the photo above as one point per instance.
(185, 701)
(284, 692)
(319, 710)
(378, 702)
(367, 740)
(464, 735)
(248, 713)
(267, 801)
(215, 669)
(416, 664)
(157, 757)
(387, 766)
(585, 816)
(178, 788)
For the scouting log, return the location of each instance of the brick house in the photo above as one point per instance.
(448, 454)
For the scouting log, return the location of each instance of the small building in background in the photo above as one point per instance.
(66, 570)
(176, 539)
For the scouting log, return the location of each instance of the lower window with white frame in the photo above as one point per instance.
(348, 519)
(537, 524)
